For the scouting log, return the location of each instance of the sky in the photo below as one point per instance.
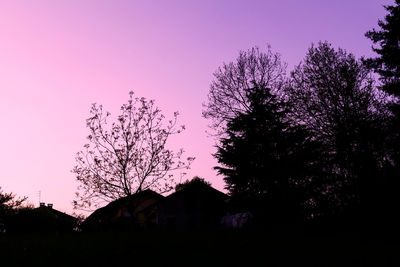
(59, 57)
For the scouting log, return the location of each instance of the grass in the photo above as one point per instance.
(158, 248)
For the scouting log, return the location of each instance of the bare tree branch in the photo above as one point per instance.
(234, 81)
(128, 157)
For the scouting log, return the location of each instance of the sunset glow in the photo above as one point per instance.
(59, 57)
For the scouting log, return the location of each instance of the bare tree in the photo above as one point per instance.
(128, 156)
(334, 97)
(331, 90)
(233, 82)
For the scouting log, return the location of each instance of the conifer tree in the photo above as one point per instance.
(387, 39)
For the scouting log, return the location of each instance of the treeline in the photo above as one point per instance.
(319, 145)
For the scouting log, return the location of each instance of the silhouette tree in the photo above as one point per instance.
(334, 97)
(195, 181)
(228, 95)
(9, 202)
(266, 161)
(128, 157)
(9, 205)
(387, 64)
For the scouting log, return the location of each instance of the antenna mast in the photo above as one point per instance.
(39, 196)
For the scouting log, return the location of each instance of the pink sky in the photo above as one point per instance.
(58, 57)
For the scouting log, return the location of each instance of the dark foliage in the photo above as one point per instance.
(316, 149)
(195, 181)
(9, 202)
(162, 248)
(387, 66)
(9, 206)
(334, 97)
(266, 161)
(229, 91)
(387, 39)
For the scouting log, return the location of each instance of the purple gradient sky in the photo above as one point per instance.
(58, 57)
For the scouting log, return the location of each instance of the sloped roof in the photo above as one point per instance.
(199, 188)
(113, 206)
(58, 214)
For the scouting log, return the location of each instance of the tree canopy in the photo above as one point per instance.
(387, 66)
(229, 91)
(10, 202)
(333, 95)
(129, 155)
(264, 159)
(194, 181)
(306, 144)
(387, 39)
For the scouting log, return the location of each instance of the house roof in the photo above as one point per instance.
(56, 213)
(116, 204)
(196, 188)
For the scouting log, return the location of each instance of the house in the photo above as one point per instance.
(63, 222)
(197, 206)
(44, 219)
(127, 213)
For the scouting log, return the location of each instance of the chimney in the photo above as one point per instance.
(50, 206)
(42, 204)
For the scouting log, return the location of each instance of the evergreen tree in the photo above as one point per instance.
(387, 64)
(265, 161)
